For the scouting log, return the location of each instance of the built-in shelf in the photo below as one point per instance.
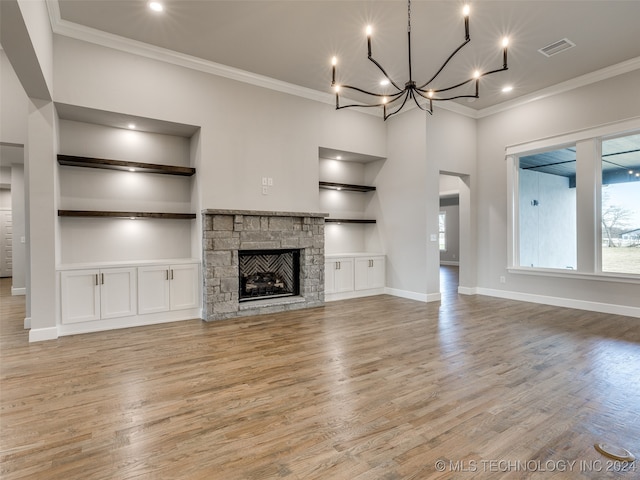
(88, 162)
(347, 220)
(346, 186)
(105, 214)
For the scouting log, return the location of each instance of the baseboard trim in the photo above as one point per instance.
(42, 334)
(467, 290)
(562, 302)
(421, 297)
(334, 297)
(27, 323)
(18, 291)
(128, 322)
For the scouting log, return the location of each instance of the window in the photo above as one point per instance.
(574, 206)
(620, 205)
(442, 231)
(547, 208)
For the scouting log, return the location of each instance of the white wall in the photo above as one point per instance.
(600, 103)
(246, 133)
(402, 196)
(13, 105)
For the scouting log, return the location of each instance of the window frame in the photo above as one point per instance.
(443, 231)
(589, 202)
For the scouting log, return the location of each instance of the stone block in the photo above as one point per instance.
(223, 222)
(207, 223)
(225, 307)
(217, 258)
(225, 271)
(226, 244)
(251, 223)
(229, 284)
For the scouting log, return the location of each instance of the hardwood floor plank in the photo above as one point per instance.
(372, 388)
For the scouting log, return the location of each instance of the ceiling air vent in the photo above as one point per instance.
(557, 47)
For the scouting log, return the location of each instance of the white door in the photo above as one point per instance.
(117, 292)
(153, 289)
(80, 295)
(6, 243)
(184, 286)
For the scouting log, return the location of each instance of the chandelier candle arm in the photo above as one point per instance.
(411, 90)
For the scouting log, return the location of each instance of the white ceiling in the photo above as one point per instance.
(293, 41)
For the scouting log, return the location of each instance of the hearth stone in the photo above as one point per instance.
(225, 232)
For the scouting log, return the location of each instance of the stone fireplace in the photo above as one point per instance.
(241, 246)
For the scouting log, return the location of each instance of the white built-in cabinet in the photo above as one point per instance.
(127, 256)
(162, 288)
(347, 193)
(369, 272)
(108, 297)
(95, 294)
(338, 275)
(353, 275)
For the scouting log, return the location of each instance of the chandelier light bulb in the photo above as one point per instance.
(430, 94)
(385, 99)
(334, 61)
(476, 74)
(384, 82)
(505, 42)
(466, 10)
(369, 30)
(336, 88)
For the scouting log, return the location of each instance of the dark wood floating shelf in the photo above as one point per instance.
(105, 214)
(346, 186)
(347, 220)
(104, 163)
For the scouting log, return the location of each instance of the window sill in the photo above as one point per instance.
(561, 273)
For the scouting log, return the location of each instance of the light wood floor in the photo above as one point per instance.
(377, 388)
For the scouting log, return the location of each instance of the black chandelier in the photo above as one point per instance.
(392, 103)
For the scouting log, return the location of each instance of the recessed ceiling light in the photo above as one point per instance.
(156, 6)
(507, 89)
(131, 126)
(338, 157)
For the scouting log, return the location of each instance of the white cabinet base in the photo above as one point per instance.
(361, 275)
(114, 296)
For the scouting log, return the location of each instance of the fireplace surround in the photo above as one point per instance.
(228, 233)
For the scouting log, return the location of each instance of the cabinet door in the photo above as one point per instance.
(184, 286)
(329, 276)
(80, 295)
(369, 273)
(343, 275)
(117, 292)
(153, 289)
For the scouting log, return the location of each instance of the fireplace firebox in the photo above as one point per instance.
(268, 273)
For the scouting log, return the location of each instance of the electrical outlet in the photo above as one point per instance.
(265, 191)
(264, 181)
(503, 279)
(270, 181)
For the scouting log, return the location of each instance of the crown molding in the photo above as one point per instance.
(98, 37)
(581, 81)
